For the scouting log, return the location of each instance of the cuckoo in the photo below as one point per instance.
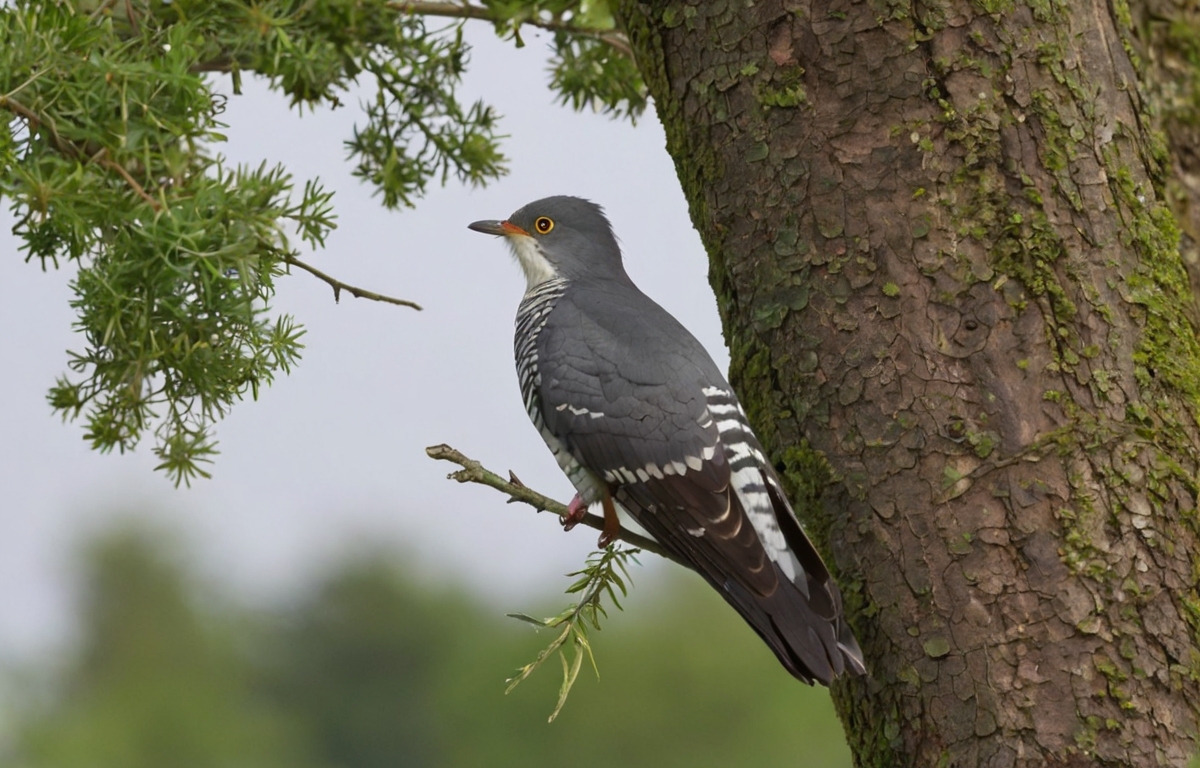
(642, 421)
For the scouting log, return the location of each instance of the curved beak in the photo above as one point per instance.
(493, 227)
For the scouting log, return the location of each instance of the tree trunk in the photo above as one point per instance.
(1166, 36)
(957, 316)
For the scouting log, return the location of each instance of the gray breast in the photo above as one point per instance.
(532, 315)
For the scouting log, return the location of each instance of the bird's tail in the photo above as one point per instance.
(815, 589)
(812, 644)
(799, 617)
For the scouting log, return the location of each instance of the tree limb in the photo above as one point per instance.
(610, 37)
(338, 286)
(466, 10)
(74, 152)
(474, 472)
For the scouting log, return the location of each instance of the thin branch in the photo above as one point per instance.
(132, 16)
(71, 150)
(104, 6)
(17, 108)
(613, 38)
(31, 79)
(474, 472)
(120, 169)
(338, 286)
(222, 63)
(448, 10)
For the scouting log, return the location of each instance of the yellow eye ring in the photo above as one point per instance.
(543, 225)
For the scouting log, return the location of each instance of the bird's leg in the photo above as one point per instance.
(612, 523)
(576, 511)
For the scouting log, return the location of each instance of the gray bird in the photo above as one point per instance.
(638, 416)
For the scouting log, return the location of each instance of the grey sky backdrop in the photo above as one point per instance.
(332, 456)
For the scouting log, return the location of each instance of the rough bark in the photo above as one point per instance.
(1166, 43)
(956, 312)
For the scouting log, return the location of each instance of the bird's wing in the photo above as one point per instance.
(664, 430)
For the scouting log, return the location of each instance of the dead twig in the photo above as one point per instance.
(338, 286)
(474, 472)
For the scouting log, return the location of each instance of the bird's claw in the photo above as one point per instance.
(612, 524)
(576, 511)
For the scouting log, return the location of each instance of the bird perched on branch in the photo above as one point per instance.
(639, 417)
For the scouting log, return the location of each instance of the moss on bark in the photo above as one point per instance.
(958, 317)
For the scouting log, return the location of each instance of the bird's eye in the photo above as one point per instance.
(543, 225)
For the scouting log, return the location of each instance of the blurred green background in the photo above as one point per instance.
(374, 667)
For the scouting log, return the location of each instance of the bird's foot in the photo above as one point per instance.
(606, 538)
(612, 523)
(576, 511)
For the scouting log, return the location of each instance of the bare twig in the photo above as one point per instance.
(338, 286)
(474, 472)
(466, 10)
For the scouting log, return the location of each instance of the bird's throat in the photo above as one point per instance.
(534, 264)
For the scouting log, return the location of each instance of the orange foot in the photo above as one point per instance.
(612, 523)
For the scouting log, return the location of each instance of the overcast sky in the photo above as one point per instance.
(333, 456)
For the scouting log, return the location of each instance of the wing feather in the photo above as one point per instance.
(631, 408)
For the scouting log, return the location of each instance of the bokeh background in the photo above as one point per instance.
(328, 598)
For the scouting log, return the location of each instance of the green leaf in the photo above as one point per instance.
(568, 681)
(602, 571)
(539, 623)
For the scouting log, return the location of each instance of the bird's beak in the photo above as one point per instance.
(492, 227)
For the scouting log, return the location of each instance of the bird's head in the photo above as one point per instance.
(562, 236)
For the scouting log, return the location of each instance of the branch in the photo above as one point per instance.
(611, 37)
(466, 10)
(74, 152)
(338, 286)
(101, 8)
(222, 63)
(474, 472)
(120, 169)
(71, 150)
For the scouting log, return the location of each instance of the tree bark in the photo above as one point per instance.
(957, 316)
(1166, 38)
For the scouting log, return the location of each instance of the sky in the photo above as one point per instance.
(331, 458)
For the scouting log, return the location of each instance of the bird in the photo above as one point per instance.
(642, 421)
